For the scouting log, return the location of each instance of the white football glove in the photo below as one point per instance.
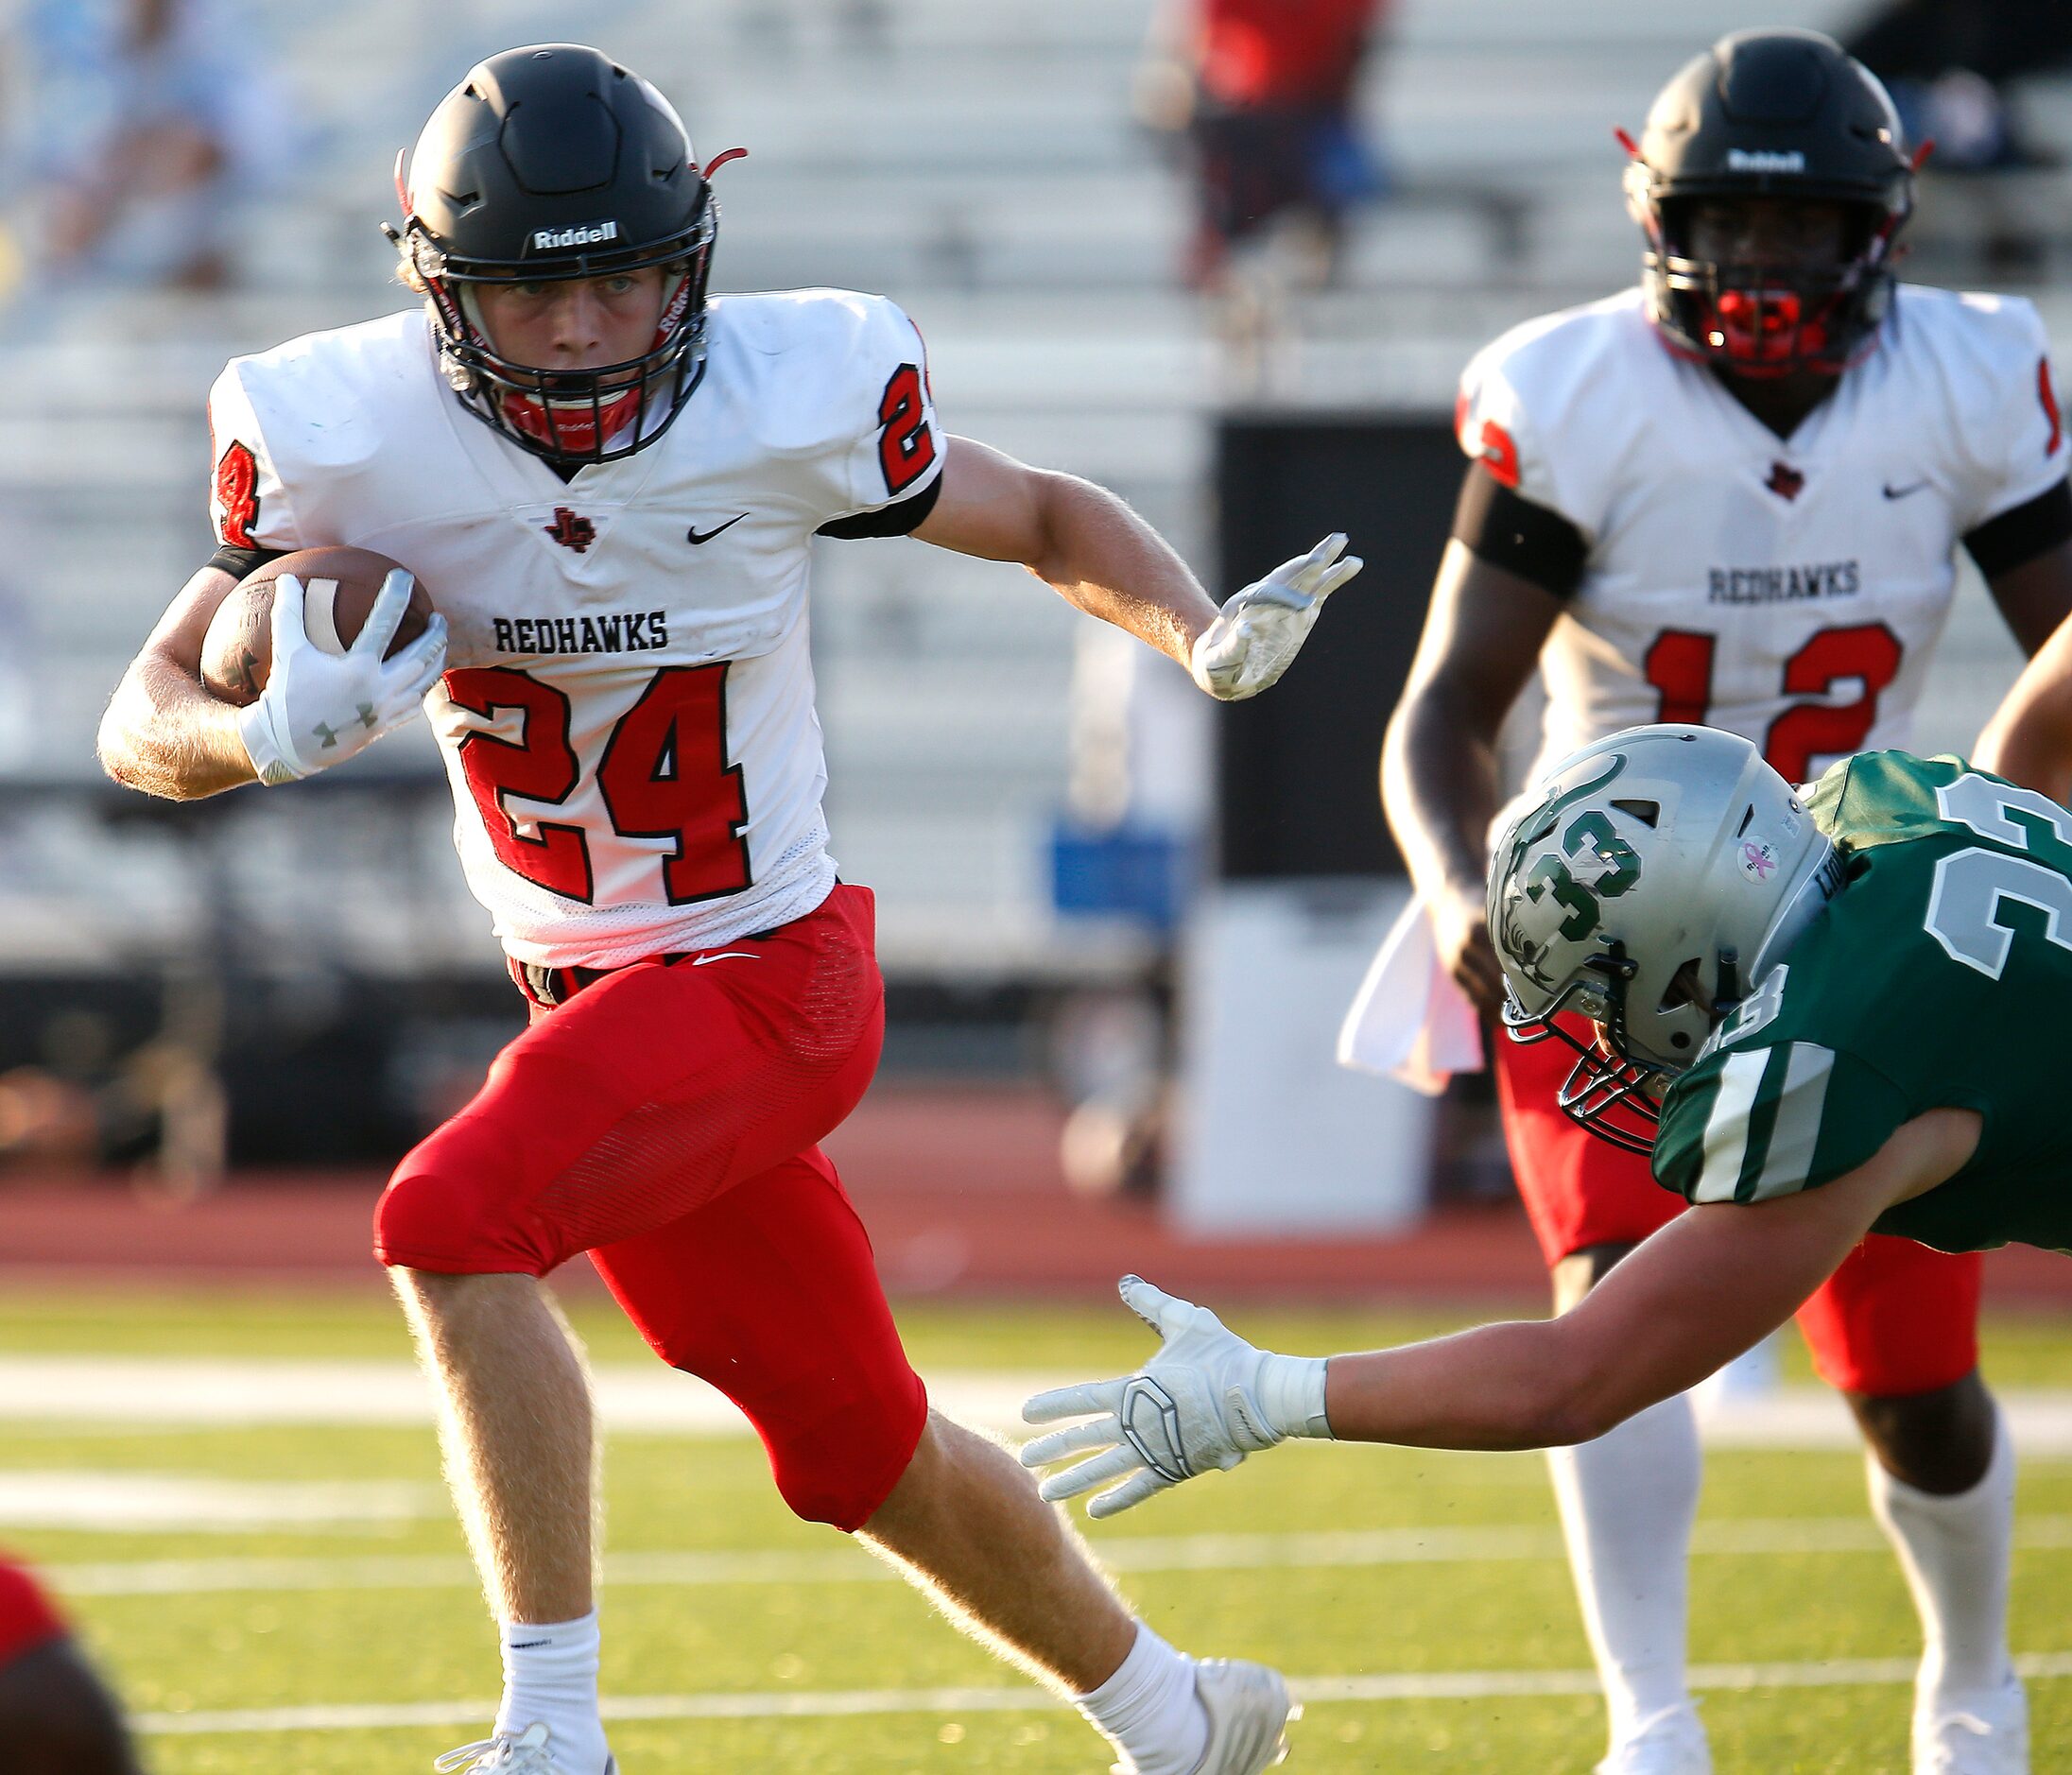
(1263, 627)
(320, 707)
(1206, 1400)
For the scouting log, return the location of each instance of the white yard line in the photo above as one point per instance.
(1143, 1552)
(100, 1500)
(843, 1703)
(190, 1392)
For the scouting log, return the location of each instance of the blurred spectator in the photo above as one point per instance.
(1263, 90)
(56, 1717)
(144, 119)
(1946, 62)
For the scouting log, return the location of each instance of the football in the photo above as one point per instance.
(339, 586)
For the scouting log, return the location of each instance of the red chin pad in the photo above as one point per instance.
(1767, 329)
(571, 426)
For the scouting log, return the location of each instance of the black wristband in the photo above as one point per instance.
(897, 520)
(1498, 526)
(241, 564)
(2017, 537)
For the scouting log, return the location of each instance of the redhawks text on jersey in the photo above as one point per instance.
(627, 716)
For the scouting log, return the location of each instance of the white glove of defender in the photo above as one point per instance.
(1206, 1400)
(320, 707)
(1263, 627)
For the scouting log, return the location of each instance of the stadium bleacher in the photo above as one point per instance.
(979, 165)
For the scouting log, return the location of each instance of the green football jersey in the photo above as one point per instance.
(1935, 977)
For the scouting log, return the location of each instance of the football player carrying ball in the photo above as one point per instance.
(614, 485)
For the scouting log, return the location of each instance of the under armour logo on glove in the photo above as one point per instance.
(1203, 1403)
(340, 702)
(329, 735)
(1150, 1424)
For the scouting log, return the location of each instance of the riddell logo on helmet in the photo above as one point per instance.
(1764, 160)
(583, 234)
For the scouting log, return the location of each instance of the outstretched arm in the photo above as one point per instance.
(1707, 1287)
(1096, 553)
(1712, 1284)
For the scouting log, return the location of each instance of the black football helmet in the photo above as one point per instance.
(1771, 114)
(548, 163)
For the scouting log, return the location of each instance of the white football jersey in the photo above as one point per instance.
(626, 714)
(1788, 590)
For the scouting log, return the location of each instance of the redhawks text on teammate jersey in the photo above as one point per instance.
(1783, 585)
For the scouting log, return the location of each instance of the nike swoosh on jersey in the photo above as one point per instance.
(694, 535)
(725, 954)
(1901, 492)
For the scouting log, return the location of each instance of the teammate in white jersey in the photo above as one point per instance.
(611, 487)
(1732, 497)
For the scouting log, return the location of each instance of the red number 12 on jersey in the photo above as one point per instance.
(1678, 665)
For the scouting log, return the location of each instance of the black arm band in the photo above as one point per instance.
(898, 520)
(241, 564)
(1498, 526)
(2017, 538)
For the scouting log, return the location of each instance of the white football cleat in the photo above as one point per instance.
(1249, 1712)
(1668, 1743)
(1974, 1735)
(528, 1754)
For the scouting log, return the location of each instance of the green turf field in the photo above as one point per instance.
(1422, 1596)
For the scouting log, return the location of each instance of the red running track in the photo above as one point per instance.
(961, 1189)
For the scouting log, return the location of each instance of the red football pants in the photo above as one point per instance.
(666, 1119)
(1896, 1318)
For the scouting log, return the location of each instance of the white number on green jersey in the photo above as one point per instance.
(1761, 1006)
(1972, 888)
(1983, 806)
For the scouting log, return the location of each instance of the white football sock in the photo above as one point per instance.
(1150, 1711)
(550, 1673)
(1955, 1552)
(1627, 1501)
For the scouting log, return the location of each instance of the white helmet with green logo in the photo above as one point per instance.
(1650, 884)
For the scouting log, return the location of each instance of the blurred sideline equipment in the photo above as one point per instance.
(1272, 1138)
(339, 587)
